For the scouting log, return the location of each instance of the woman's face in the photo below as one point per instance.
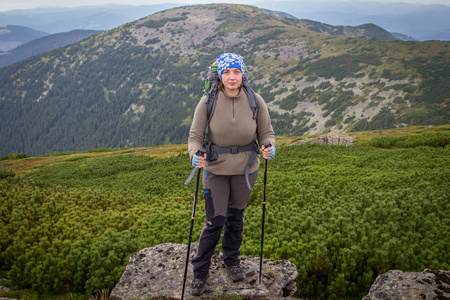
(232, 81)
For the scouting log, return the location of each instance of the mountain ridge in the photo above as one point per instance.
(20, 50)
(394, 17)
(138, 84)
(43, 44)
(420, 21)
(12, 36)
(96, 17)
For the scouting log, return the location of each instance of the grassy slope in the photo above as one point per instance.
(30, 164)
(345, 214)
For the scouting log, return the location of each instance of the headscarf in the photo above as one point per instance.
(228, 61)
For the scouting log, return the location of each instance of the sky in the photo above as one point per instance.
(6, 5)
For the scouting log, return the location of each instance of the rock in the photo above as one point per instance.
(5, 289)
(329, 139)
(158, 272)
(397, 284)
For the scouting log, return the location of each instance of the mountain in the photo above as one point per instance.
(12, 36)
(44, 44)
(95, 17)
(138, 84)
(365, 30)
(403, 37)
(18, 51)
(420, 21)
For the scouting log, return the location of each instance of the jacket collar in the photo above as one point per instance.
(240, 95)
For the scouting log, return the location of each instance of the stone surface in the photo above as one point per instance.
(5, 289)
(396, 284)
(158, 272)
(329, 139)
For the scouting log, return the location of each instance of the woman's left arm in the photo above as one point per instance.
(264, 129)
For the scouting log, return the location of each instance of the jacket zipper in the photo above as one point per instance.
(234, 99)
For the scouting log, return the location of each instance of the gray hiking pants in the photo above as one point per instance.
(225, 200)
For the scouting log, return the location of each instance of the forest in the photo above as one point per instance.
(342, 214)
(137, 85)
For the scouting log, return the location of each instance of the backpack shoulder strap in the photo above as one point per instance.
(251, 98)
(210, 91)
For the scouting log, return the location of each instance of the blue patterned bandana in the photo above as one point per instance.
(228, 61)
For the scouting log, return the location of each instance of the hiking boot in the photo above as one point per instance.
(237, 273)
(198, 286)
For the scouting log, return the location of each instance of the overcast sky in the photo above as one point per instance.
(6, 5)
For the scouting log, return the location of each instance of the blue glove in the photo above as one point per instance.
(272, 153)
(194, 161)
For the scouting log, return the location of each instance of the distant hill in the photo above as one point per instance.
(403, 37)
(94, 17)
(54, 41)
(44, 44)
(138, 84)
(365, 30)
(420, 21)
(12, 36)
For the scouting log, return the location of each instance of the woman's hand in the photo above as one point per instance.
(198, 161)
(268, 153)
(201, 161)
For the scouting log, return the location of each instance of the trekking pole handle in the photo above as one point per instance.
(266, 144)
(200, 152)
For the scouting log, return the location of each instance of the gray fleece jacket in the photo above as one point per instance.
(232, 124)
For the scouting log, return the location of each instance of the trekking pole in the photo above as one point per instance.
(195, 170)
(266, 145)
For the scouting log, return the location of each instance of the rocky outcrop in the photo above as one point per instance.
(3, 288)
(158, 272)
(329, 139)
(396, 284)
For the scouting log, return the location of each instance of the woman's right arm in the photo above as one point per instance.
(197, 131)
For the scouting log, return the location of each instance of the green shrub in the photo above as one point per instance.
(152, 41)
(343, 215)
(99, 150)
(13, 156)
(410, 89)
(324, 85)
(160, 23)
(393, 76)
(6, 173)
(433, 139)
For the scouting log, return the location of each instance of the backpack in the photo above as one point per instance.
(211, 92)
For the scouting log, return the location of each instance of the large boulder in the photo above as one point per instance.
(395, 284)
(158, 272)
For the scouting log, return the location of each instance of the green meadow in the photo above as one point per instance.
(342, 214)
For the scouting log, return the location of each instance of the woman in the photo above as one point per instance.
(225, 186)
